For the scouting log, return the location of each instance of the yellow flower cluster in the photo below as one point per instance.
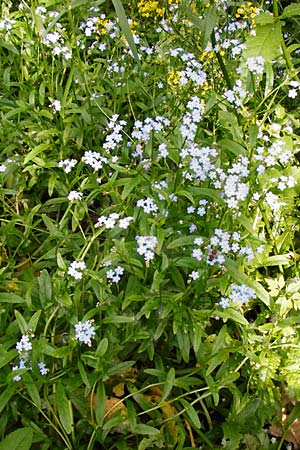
(150, 8)
(246, 10)
(173, 77)
(102, 26)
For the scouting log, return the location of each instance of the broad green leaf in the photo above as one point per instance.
(264, 18)
(21, 322)
(10, 297)
(7, 394)
(64, 407)
(131, 415)
(102, 347)
(232, 146)
(168, 386)
(191, 412)
(140, 428)
(181, 242)
(236, 316)
(20, 439)
(10, 47)
(6, 357)
(194, 18)
(119, 319)
(36, 151)
(100, 403)
(266, 42)
(277, 260)
(45, 288)
(291, 10)
(32, 389)
(129, 185)
(50, 224)
(210, 20)
(34, 320)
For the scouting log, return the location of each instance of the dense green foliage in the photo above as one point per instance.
(150, 245)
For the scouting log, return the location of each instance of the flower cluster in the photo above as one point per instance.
(148, 205)
(54, 39)
(67, 164)
(239, 294)
(84, 332)
(110, 221)
(142, 129)
(294, 90)
(256, 65)
(114, 275)
(74, 195)
(221, 244)
(24, 348)
(191, 119)
(236, 95)
(94, 159)
(76, 268)
(146, 246)
(270, 156)
(115, 138)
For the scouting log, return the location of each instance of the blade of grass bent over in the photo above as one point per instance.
(126, 29)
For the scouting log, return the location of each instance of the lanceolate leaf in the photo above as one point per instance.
(18, 440)
(126, 29)
(240, 277)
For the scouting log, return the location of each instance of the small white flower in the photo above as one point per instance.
(74, 195)
(75, 269)
(56, 105)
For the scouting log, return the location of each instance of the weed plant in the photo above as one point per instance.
(149, 183)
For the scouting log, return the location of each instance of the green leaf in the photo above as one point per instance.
(293, 415)
(236, 316)
(277, 260)
(266, 42)
(20, 439)
(118, 319)
(45, 288)
(7, 394)
(232, 146)
(140, 428)
(100, 403)
(36, 151)
(168, 386)
(126, 29)
(102, 347)
(21, 322)
(193, 416)
(10, 47)
(210, 20)
(240, 277)
(131, 415)
(291, 10)
(10, 297)
(64, 407)
(181, 242)
(32, 390)
(129, 185)
(33, 322)
(6, 357)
